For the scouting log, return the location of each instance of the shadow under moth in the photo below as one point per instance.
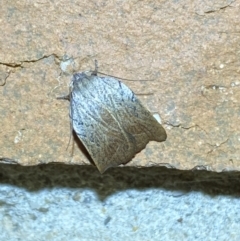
(109, 120)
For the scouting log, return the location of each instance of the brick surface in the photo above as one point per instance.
(189, 49)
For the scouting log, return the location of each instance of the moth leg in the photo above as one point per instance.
(65, 97)
(94, 73)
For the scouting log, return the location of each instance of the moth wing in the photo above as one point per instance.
(136, 119)
(97, 127)
(110, 120)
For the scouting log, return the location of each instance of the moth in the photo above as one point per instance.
(109, 120)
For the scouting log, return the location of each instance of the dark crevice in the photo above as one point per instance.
(16, 65)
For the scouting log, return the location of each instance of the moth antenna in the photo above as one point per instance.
(123, 78)
(95, 72)
(149, 93)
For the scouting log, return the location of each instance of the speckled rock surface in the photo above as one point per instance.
(57, 202)
(189, 49)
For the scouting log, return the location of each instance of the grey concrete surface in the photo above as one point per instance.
(58, 202)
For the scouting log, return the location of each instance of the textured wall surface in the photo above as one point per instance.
(190, 49)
